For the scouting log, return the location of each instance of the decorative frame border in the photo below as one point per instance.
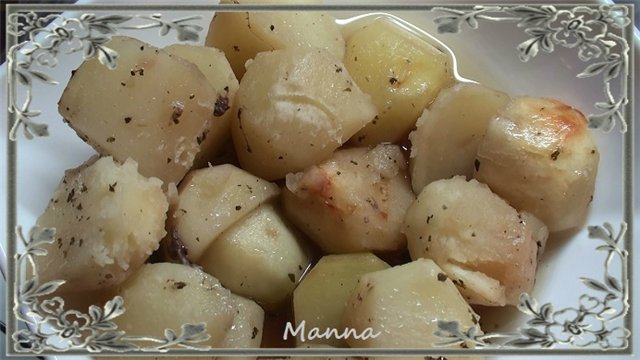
(542, 23)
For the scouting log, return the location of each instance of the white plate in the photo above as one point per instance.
(487, 55)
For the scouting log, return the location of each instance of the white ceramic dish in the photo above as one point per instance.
(487, 55)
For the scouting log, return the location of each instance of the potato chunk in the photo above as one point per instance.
(153, 107)
(246, 331)
(241, 35)
(401, 71)
(166, 296)
(294, 109)
(108, 220)
(446, 140)
(211, 200)
(353, 202)
(215, 67)
(482, 243)
(321, 297)
(258, 257)
(403, 305)
(538, 154)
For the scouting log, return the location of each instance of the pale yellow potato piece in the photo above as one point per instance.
(258, 257)
(242, 35)
(476, 286)
(211, 200)
(108, 219)
(446, 140)
(353, 202)
(401, 71)
(321, 297)
(216, 69)
(166, 296)
(403, 305)
(483, 244)
(294, 109)
(539, 155)
(247, 329)
(153, 107)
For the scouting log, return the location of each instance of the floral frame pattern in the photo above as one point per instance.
(601, 37)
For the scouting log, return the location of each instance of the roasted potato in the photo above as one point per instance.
(247, 329)
(327, 121)
(447, 135)
(401, 71)
(485, 246)
(321, 297)
(108, 219)
(166, 296)
(295, 107)
(353, 202)
(153, 107)
(216, 69)
(211, 200)
(241, 35)
(539, 155)
(403, 304)
(259, 257)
